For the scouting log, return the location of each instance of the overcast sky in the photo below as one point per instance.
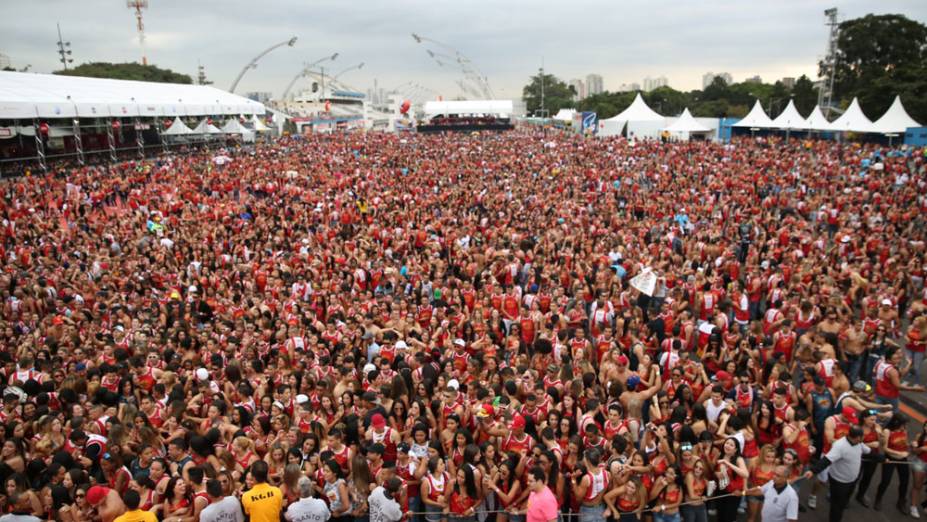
(623, 40)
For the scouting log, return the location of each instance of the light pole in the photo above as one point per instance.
(305, 72)
(253, 63)
(351, 68)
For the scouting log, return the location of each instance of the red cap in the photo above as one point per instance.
(377, 421)
(96, 494)
(518, 421)
(849, 413)
(57, 320)
(486, 410)
(623, 360)
(723, 376)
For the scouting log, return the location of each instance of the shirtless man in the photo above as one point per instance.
(106, 501)
(853, 346)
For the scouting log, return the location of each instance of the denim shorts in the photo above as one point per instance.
(592, 513)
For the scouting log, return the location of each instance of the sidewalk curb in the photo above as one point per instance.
(914, 404)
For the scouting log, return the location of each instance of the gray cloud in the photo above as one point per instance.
(624, 41)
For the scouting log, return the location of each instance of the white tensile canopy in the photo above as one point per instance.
(565, 115)
(233, 126)
(853, 120)
(206, 128)
(686, 125)
(790, 119)
(259, 125)
(895, 120)
(28, 95)
(816, 120)
(642, 121)
(503, 108)
(177, 128)
(756, 118)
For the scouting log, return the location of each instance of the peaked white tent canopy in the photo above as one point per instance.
(853, 120)
(790, 119)
(233, 126)
(895, 120)
(756, 118)
(816, 120)
(206, 128)
(686, 126)
(259, 125)
(641, 120)
(177, 128)
(28, 95)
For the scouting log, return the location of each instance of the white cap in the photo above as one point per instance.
(401, 345)
(887, 302)
(460, 342)
(846, 239)
(302, 399)
(279, 405)
(202, 374)
(369, 368)
(192, 288)
(453, 384)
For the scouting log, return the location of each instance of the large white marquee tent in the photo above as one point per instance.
(756, 118)
(895, 120)
(50, 96)
(687, 126)
(641, 121)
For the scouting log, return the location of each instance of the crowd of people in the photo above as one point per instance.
(338, 326)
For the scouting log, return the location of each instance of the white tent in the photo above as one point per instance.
(756, 118)
(503, 108)
(790, 119)
(206, 128)
(853, 120)
(28, 95)
(233, 126)
(565, 115)
(259, 125)
(686, 126)
(816, 120)
(642, 121)
(895, 120)
(177, 128)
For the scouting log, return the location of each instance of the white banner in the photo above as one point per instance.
(645, 282)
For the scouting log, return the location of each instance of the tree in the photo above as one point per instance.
(557, 94)
(804, 95)
(879, 56)
(127, 71)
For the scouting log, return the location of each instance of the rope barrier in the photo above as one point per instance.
(571, 514)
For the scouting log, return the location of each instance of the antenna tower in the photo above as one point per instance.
(138, 5)
(829, 65)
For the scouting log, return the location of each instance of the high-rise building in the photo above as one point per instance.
(654, 83)
(580, 87)
(709, 77)
(260, 97)
(788, 82)
(594, 84)
(629, 87)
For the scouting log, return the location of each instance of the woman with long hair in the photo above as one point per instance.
(667, 494)
(359, 487)
(464, 496)
(762, 470)
(731, 472)
(335, 490)
(507, 490)
(178, 500)
(872, 437)
(696, 482)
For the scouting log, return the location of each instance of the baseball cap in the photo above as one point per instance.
(633, 381)
(453, 383)
(722, 376)
(401, 345)
(861, 387)
(623, 360)
(377, 421)
(460, 342)
(518, 421)
(849, 413)
(485, 410)
(302, 399)
(96, 494)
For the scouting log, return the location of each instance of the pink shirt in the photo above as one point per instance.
(542, 506)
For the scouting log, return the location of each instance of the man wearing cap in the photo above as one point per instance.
(842, 463)
(380, 433)
(382, 502)
(307, 508)
(106, 501)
